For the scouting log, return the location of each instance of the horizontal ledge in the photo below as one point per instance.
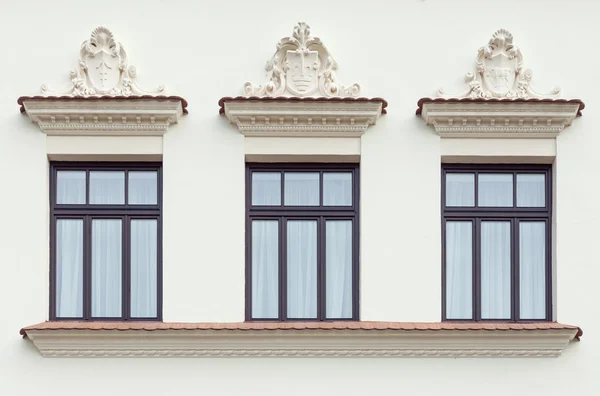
(300, 101)
(310, 339)
(102, 98)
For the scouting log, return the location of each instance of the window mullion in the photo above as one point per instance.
(283, 268)
(477, 270)
(87, 268)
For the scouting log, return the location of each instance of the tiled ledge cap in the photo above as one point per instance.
(308, 339)
(422, 101)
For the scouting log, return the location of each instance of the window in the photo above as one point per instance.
(496, 242)
(106, 249)
(302, 242)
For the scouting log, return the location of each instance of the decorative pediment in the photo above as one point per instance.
(103, 97)
(500, 101)
(499, 73)
(302, 66)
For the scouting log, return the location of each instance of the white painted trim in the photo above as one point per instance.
(105, 117)
(499, 119)
(281, 118)
(299, 343)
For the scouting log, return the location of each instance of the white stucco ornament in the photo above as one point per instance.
(499, 73)
(302, 66)
(102, 69)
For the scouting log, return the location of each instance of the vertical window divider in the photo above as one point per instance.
(126, 267)
(321, 267)
(283, 270)
(476, 261)
(515, 268)
(87, 268)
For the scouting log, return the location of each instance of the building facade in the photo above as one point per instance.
(334, 225)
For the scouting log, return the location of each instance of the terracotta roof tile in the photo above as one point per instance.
(496, 100)
(266, 326)
(184, 102)
(222, 101)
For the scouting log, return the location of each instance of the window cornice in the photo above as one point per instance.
(499, 100)
(302, 97)
(103, 98)
(300, 339)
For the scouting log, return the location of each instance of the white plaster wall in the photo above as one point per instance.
(204, 50)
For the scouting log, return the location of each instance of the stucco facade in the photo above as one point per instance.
(400, 51)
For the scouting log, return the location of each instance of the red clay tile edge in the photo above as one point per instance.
(222, 101)
(495, 100)
(266, 326)
(184, 102)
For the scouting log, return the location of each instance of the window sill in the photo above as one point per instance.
(499, 118)
(300, 339)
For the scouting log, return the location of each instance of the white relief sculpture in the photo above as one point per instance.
(102, 70)
(499, 73)
(302, 66)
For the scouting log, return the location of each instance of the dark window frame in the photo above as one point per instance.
(283, 213)
(124, 212)
(513, 214)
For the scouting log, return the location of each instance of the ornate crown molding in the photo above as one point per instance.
(103, 97)
(300, 343)
(302, 66)
(499, 73)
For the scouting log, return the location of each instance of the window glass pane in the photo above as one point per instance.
(337, 189)
(143, 188)
(70, 187)
(69, 268)
(495, 270)
(301, 189)
(531, 191)
(459, 270)
(266, 188)
(302, 269)
(495, 190)
(106, 267)
(532, 269)
(460, 189)
(338, 256)
(107, 187)
(144, 275)
(265, 269)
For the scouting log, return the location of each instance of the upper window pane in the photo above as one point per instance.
(143, 188)
(337, 189)
(495, 190)
(460, 189)
(531, 190)
(266, 188)
(70, 187)
(301, 189)
(107, 187)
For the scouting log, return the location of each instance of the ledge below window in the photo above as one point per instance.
(300, 339)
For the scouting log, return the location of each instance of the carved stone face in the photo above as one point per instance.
(499, 74)
(302, 72)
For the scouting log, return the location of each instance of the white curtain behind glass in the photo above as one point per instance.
(459, 270)
(69, 268)
(531, 190)
(495, 190)
(460, 189)
(338, 273)
(107, 187)
(532, 269)
(495, 270)
(143, 188)
(302, 269)
(106, 268)
(70, 187)
(301, 189)
(143, 268)
(337, 189)
(266, 188)
(265, 270)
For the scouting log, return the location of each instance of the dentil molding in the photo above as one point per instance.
(499, 100)
(300, 343)
(302, 96)
(103, 97)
